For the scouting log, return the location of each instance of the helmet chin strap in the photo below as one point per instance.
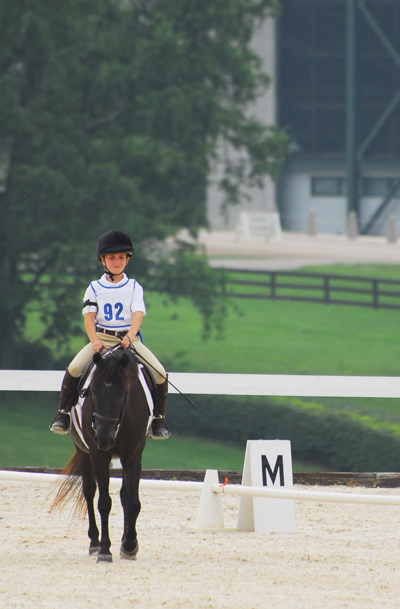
(109, 273)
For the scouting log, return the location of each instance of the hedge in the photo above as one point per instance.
(336, 441)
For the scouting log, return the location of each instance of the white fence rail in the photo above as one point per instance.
(161, 485)
(232, 384)
(227, 489)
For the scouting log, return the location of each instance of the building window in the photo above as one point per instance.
(328, 187)
(377, 187)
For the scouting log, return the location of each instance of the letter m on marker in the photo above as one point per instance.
(272, 474)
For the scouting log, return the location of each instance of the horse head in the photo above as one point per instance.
(108, 397)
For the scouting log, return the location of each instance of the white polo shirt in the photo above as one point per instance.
(114, 303)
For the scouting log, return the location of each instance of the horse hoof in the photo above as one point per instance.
(129, 555)
(94, 550)
(104, 558)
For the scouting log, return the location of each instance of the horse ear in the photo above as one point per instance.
(124, 360)
(97, 357)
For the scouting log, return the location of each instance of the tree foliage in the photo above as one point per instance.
(110, 116)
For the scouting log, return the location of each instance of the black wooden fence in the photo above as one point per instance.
(313, 287)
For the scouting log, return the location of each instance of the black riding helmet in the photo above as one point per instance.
(114, 241)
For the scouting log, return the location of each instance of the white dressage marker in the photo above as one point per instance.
(267, 464)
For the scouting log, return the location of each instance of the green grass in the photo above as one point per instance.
(380, 271)
(192, 453)
(24, 435)
(273, 337)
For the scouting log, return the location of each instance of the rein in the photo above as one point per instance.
(139, 358)
(103, 418)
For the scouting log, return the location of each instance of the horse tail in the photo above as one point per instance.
(71, 488)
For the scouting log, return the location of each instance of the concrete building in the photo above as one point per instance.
(335, 68)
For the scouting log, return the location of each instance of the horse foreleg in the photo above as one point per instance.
(131, 506)
(104, 507)
(93, 531)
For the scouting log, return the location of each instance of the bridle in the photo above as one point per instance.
(103, 418)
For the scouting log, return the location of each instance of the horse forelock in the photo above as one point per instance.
(109, 369)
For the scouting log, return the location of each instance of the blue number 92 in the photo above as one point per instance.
(108, 311)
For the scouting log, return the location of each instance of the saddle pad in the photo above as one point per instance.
(76, 411)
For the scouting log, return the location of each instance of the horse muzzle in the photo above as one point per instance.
(105, 431)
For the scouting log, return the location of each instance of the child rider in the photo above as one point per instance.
(113, 309)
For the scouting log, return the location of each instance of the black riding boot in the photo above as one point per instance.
(69, 386)
(159, 429)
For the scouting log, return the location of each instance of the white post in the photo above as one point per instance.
(312, 223)
(392, 229)
(353, 230)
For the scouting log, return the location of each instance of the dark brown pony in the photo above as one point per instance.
(115, 415)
